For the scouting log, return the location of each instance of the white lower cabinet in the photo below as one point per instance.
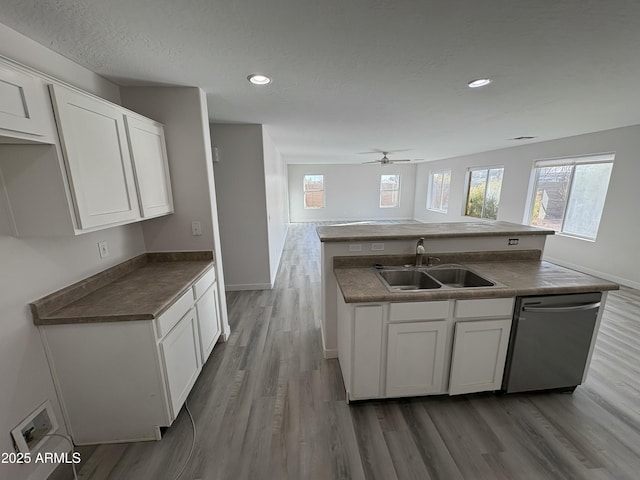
(208, 321)
(367, 352)
(181, 360)
(479, 354)
(423, 348)
(360, 340)
(122, 381)
(415, 358)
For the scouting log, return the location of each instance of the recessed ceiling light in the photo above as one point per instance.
(480, 82)
(259, 79)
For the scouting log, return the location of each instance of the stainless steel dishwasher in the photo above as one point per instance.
(550, 342)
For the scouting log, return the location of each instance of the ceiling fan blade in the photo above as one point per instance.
(375, 150)
(372, 161)
(393, 160)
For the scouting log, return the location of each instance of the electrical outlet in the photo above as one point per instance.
(377, 246)
(103, 249)
(33, 430)
(355, 247)
(513, 241)
(196, 229)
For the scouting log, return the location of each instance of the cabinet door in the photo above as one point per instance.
(367, 352)
(94, 142)
(181, 360)
(21, 106)
(208, 323)
(149, 154)
(415, 358)
(479, 354)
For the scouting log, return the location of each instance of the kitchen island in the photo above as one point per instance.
(449, 340)
(400, 239)
(440, 340)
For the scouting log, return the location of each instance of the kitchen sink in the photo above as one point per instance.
(407, 279)
(417, 278)
(459, 277)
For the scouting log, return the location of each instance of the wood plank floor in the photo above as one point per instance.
(268, 406)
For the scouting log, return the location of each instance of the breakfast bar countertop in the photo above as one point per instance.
(394, 231)
(139, 289)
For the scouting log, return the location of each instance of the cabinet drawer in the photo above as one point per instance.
(400, 312)
(174, 313)
(487, 307)
(204, 283)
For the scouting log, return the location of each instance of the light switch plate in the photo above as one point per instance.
(196, 229)
(103, 249)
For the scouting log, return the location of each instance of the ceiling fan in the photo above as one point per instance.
(385, 160)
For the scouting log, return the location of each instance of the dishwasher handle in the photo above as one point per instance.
(572, 308)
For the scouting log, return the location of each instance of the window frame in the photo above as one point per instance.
(467, 190)
(305, 191)
(444, 172)
(574, 161)
(397, 205)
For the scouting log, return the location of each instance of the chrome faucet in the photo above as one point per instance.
(420, 251)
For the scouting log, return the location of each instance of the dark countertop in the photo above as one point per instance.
(361, 284)
(139, 289)
(373, 232)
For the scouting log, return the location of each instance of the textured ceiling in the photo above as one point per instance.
(351, 76)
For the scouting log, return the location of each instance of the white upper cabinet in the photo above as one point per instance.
(22, 105)
(149, 153)
(93, 139)
(97, 165)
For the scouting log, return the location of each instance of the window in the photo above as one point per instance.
(568, 194)
(483, 192)
(389, 191)
(438, 196)
(313, 191)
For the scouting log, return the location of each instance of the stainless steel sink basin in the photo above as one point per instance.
(410, 278)
(459, 277)
(403, 280)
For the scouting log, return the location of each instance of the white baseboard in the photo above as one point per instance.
(331, 353)
(595, 273)
(248, 286)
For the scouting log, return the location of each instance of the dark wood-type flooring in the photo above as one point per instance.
(268, 406)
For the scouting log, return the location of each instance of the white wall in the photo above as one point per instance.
(275, 174)
(352, 192)
(21, 49)
(183, 111)
(614, 255)
(34, 267)
(241, 196)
